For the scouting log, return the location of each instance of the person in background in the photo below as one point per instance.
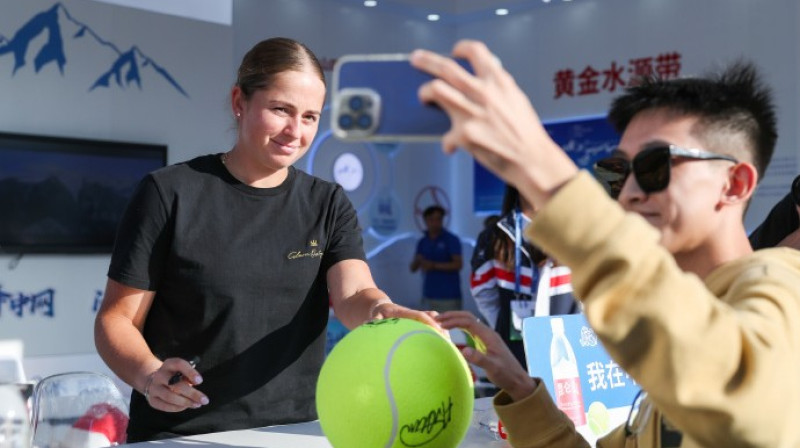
(490, 221)
(669, 282)
(782, 225)
(438, 255)
(506, 292)
(231, 257)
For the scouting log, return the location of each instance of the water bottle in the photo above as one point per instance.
(566, 380)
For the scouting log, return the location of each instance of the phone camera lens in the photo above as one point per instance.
(356, 103)
(345, 122)
(364, 121)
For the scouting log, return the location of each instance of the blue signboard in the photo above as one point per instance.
(583, 380)
(585, 140)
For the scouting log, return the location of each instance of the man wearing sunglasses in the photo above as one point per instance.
(708, 328)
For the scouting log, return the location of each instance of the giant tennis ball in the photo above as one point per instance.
(394, 383)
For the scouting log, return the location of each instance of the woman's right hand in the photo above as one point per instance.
(175, 397)
(491, 354)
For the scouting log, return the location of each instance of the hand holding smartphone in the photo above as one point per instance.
(375, 99)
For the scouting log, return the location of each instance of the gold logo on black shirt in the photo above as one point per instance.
(313, 253)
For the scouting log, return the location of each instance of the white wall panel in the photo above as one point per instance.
(197, 55)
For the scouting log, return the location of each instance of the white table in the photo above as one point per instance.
(305, 435)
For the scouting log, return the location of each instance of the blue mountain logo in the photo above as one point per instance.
(127, 67)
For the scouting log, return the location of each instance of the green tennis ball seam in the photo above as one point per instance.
(387, 383)
(445, 410)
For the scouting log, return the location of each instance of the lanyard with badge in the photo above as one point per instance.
(521, 306)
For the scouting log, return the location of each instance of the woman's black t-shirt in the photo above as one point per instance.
(239, 274)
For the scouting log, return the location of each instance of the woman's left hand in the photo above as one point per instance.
(391, 309)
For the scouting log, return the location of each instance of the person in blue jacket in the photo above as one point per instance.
(438, 256)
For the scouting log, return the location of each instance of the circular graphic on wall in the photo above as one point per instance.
(359, 184)
(431, 195)
(348, 171)
(350, 164)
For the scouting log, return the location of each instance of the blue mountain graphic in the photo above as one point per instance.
(125, 69)
(127, 63)
(52, 51)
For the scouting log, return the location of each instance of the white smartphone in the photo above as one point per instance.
(374, 98)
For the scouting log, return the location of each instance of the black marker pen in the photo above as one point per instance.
(177, 377)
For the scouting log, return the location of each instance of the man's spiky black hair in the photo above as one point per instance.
(734, 100)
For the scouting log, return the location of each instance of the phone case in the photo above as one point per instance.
(375, 98)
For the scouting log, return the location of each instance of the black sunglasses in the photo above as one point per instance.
(651, 167)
